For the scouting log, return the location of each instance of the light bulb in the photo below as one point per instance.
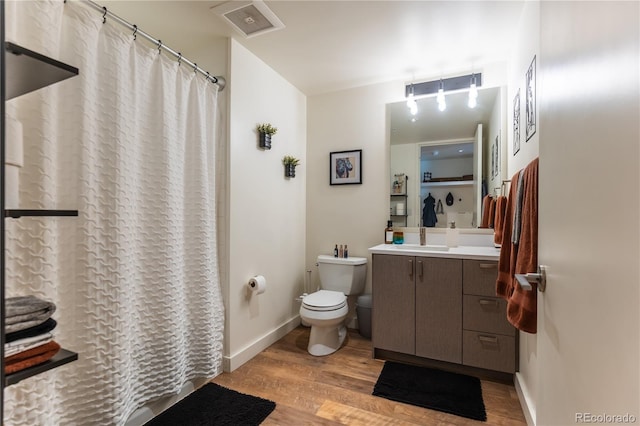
(413, 108)
(410, 100)
(473, 96)
(442, 104)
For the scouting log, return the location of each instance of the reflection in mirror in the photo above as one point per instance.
(455, 155)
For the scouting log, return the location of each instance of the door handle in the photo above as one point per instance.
(540, 279)
(420, 268)
(411, 268)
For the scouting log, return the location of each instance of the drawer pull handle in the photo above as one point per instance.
(486, 302)
(488, 265)
(488, 339)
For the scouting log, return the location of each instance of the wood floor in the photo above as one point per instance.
(336, 389)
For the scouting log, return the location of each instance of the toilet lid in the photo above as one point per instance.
(325, 300)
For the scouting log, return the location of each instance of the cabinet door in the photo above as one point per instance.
(439, 308)
(393, 312)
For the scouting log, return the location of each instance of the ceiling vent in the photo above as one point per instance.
(250, 18)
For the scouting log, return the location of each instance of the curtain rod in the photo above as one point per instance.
(219, 80)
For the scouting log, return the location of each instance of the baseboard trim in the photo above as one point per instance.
(526, 402)
(232, 362)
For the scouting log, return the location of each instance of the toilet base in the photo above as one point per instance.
(326, 340)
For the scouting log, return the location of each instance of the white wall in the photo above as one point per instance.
(527, 46)
(348, 214)
(266, 210)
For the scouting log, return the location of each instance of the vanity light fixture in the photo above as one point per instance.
(442, 104)
(439, 87)
(411, 102)
(473, 93)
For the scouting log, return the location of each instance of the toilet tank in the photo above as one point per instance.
(347, 275)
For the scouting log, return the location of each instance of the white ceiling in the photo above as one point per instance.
(335, 45)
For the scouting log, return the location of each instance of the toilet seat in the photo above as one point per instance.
(324, 300)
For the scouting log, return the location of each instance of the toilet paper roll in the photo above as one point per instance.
(257, 284)
(13, 148)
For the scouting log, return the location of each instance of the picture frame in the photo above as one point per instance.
(497, 156)
(531, 100)
(516, 123)
(493, 159)
(345, 167)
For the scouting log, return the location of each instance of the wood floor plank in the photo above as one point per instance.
(347, 415)
(336, 389)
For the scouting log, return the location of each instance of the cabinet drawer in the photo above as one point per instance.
(479, 277)
(490, 351)
(488, 314)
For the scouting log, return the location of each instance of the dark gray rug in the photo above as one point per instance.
(429, 388)
(214, 405)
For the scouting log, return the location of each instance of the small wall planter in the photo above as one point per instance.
(265, 140)
(289, 170)
(290, 164)
(265, 130)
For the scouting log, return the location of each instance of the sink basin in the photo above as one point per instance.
(419, 247)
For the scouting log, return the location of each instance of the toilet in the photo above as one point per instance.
(326, 309)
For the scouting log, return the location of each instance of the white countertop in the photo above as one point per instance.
(460, 252)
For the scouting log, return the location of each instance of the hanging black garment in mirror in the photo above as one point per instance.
(429, 218)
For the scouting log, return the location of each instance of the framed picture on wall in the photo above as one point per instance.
(497, 156)
(516, 123)
(493, 159)
(531, 99)
(345, 167)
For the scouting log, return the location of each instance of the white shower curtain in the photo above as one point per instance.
(130, 143)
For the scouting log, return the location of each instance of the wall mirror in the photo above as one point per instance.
(457, 156)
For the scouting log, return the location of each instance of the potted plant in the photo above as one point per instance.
(266, 130)
(290, 164)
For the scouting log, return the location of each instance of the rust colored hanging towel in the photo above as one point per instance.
(508, 251)
(498, 222)
(522, 306)
(492, 212)
(485, 211)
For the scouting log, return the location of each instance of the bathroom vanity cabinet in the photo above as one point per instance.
(416, 306)
(441, 308)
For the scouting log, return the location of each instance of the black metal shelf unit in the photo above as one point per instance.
(18, 213)
(24, 71)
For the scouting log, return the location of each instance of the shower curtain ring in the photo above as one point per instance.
(135, 31)
(208, 77)
(104, 14)
(179, 58)
(160, 46)
(195, 67)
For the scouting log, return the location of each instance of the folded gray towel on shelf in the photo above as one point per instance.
(26, 344)
(23, 312)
